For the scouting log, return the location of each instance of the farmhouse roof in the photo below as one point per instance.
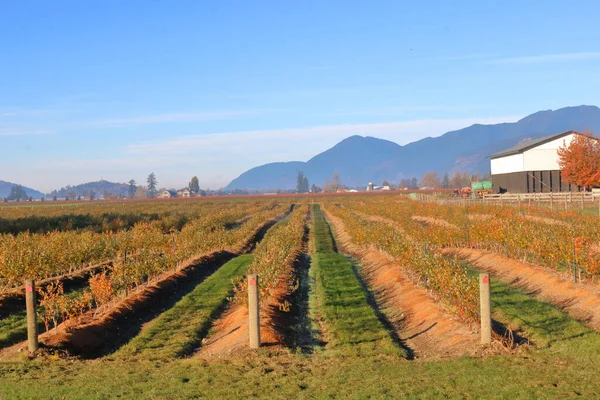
(530, 144)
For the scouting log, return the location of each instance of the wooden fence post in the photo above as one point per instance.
(32, 333)
(485, 304)
(253, 311)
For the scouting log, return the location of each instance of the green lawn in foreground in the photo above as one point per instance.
(533, 375)
(351, 323)
(177, 331)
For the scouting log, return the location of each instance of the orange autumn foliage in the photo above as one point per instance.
(580, 160)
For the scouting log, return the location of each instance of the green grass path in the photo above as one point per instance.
(177, 331)
(541, 322)
(352, 325)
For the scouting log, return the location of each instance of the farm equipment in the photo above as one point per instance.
(481, 188)
(463, 192)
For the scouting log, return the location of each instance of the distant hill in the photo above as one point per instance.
(99, 188)
(6, 186)
(360, 160)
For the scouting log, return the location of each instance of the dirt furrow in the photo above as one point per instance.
(92, 337)
(580, 300)
(422, 324)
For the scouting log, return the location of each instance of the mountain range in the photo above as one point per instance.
(359, 160)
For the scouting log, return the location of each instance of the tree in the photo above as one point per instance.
(17, 193)
(413, 184)
(305, 188)
(152, 185)
(315, 189)
(194, 185)
(456, 181)
(385, 183)
(431, 180)
(446, 181)
(334, 185)
(141, 192)
(131, 189)
(580, 161)
(91, 195)
(300, 182)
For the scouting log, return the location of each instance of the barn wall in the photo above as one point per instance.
(508, 164)
(532, 182)
(515, 182)
(544, 157)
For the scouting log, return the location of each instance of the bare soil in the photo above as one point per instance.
(434, 221)
(580, 300)
(421, 323)
(229, 334)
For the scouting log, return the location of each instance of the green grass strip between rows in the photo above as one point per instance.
(353, 326)
(176, 332)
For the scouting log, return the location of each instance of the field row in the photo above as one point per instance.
(556, 241)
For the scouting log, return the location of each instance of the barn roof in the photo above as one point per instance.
(530, 144)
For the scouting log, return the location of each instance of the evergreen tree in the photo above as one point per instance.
(414, 183)
(305, 185)
(194, 186)
(152, 185)
(131, 189)
(446, 181)
(300, 182)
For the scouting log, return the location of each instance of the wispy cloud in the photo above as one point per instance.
(549, 58)
(301, 141)
(167, 118)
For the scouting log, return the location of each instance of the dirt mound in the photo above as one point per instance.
(580, 300)
(230, 334)
(422, 324)
(434, 221)
(90, 337)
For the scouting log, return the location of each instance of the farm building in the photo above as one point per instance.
(167, 194)
(184, 193)
(531, 166)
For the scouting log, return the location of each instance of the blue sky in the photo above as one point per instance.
(119, 89)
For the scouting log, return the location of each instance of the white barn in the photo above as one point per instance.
(531, 166)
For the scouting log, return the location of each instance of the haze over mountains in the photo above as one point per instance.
(5, 188)
(360, 160)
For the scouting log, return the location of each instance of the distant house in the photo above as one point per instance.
(185, 193)
(167, 194)
(532, 166)
(371, 187)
